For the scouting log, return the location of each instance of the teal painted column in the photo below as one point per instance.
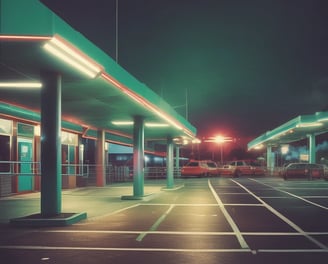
(51, 178)
(312, 150)
(138, 157)
(270, 160)
(100, 159)
(177, 159)
(169, 164)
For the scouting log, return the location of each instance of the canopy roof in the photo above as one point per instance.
(28, 32)
(294, 130)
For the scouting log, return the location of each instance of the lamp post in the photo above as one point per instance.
(220, 140)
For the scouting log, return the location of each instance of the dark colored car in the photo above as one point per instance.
(303, 170)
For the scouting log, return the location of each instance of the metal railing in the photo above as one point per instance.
(113, 173)
(31, 168)
(20, 167)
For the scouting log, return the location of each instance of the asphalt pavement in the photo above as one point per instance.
(202, 220)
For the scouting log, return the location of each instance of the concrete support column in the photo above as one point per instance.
(270, 160)
(138, 157)
(177, 160)
(169, 164)
(51, 178)
(312, 150)
(100, 159)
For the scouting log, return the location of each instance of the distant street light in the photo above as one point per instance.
(219, 139)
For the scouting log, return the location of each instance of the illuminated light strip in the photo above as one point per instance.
(313, 124)
(75, 54)
(70, 56)
(16, 37)
(130, 123)
(68, 60)
(156, 125)
(36, 85)
(122, 123)
(56, 42)
(165, 117)
(324, 119)
(62, 49)
(258, 146)
(145, 103)
(289, 130)
(189, 133)
(279, 134)
(109, 79)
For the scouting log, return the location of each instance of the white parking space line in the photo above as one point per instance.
(233, 225)
(247, 205)
(292, 251)
(169, 204)
(181, 233)
(185, 250)
(208, 205)
(95, 218)
(285, 219)
(156, 224)
(155, 232)
(313, 196)
(291, 194)
(192, 250)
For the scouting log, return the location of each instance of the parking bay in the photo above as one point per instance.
(241, 218)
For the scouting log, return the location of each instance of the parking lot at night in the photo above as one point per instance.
(208, 220)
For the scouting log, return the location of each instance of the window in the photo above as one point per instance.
(211, 164)
(193, 164)
(4, 153)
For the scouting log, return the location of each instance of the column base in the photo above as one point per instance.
(173, 188)
(36, 220)
(145, 197)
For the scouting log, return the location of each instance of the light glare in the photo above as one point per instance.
(156, 125)
(31, 85)
(71, 57)
(122, 123)
(314, 124)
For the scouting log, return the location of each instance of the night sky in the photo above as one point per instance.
(245, 66)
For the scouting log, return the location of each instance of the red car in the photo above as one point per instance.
(303, 170)
(200, 168)
(238, 168)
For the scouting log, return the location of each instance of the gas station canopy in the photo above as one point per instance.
(96, 91)
(294, 130)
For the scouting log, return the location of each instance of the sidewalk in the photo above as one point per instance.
(95, 201)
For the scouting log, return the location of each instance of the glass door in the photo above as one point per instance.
(25, 158)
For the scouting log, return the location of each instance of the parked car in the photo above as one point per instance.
(325, 172)
(303, 170)
(238, 168)
(200, 168)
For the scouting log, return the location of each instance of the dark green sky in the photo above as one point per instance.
(247, 66)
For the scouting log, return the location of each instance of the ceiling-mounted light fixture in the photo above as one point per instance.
(156, 125)
(324, 119)
(122, 123)
(15, 84)
(63, 50)
(147, 124)
(145, 103)
(23, 38)
(311, 124)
